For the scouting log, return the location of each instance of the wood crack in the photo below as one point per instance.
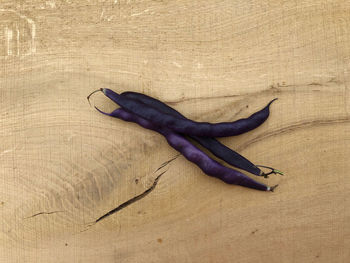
(273, 88)
(132, 200)
(167, 162)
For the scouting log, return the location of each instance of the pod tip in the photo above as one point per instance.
(272, 188)
(105, 113)
(268, 105)
(88, 97)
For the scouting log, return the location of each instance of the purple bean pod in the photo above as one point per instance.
(214, 146)
(192, 153)
(186, 126)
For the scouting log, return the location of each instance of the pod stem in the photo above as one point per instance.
(88, 97)
(273, 171)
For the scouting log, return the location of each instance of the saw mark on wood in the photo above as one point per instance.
(19, 33)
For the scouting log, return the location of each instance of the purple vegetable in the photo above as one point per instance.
(214, 146)
(186, 126)
(193, 154)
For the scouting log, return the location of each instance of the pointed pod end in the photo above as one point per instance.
(272, 188)
(105, 113)
(100, 110)
(268, 105)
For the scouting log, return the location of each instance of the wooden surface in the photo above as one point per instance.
(63, 165)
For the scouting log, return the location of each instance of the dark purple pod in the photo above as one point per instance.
(214, 146)
(193, 154)
(186, 126)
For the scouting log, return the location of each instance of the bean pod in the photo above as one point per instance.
(193, 154)
(214, 146)
(186, 126)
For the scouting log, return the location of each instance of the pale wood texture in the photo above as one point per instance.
(63, 165)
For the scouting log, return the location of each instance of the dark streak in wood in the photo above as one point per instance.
(314, 84)
(273, 88)
(293, 127)
(43, 213)
(167, 162)
(132, 200)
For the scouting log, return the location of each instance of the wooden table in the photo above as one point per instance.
(63, 165)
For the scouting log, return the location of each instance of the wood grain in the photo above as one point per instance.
(63, 165)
